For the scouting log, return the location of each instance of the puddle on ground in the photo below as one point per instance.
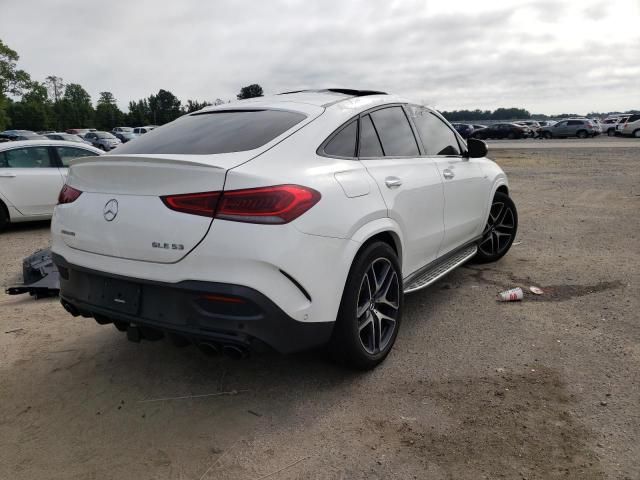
(552, 293)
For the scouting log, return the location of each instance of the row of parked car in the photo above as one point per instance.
(627, 125)
(103, 140)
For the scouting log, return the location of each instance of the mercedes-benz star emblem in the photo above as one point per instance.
(110, 210)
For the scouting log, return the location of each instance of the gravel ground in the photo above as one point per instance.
(541, 389)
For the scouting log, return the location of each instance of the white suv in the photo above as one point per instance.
(632, 126)
(293, 221)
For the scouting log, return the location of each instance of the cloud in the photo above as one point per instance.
(537, 54)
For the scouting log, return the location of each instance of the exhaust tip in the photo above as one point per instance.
(210, 349)
(133, 334)
(70, 308)
(235, 352)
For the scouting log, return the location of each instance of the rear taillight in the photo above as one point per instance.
(194, 203)
(268, 205)
(68, 194)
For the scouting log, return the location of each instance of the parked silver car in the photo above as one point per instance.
(102, 140)
(571, 127)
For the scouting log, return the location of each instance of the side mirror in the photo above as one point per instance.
(476, 148)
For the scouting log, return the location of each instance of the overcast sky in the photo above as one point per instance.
(548, 56)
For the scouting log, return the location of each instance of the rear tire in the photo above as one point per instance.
(636, 133)
(611, 132)
(511, 136)
(500, 230)
(582, 134)
(370, 310)
(5, 220)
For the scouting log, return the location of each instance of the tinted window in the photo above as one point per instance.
(28, 157)
(215, 132)
(395, 132)
(437, 138)
(67, 154)
(369, 143)
(633, 118)
(344, 143)
(574, 122)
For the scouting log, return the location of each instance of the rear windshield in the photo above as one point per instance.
(215, 132)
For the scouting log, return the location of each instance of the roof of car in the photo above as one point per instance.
(309, 101)
(37, 143)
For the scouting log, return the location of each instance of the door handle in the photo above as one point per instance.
(448, 174)
(7, 175)
(392, 182)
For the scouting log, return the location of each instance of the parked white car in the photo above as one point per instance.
(632, 126)
(293, 221)
(609, 125)
(31, 175)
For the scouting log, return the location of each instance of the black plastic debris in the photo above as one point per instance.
(40, 276)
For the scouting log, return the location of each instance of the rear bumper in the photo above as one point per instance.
(200, 311)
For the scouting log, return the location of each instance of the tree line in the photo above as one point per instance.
(514, 114)
(53, 104)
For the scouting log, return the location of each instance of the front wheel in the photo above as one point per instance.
(636, 134)
(500, 230)
(370, 310)
(611, 132)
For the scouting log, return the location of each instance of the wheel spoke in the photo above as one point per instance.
(377, 333)
(378, 306)
(384, 298)
(367, 321)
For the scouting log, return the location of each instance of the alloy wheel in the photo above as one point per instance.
(378, 306)
(499, 231)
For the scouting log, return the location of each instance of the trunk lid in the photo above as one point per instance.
(120, 213)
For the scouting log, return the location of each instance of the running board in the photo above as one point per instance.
(440, 269)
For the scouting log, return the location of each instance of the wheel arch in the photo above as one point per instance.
(384, 230)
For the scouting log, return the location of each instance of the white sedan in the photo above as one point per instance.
(32, 174)
(294, 221)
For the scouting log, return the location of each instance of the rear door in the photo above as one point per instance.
(30, 179)
(466, 190)
(410, 183)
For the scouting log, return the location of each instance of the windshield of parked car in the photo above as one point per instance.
(221, 131)
(104, 135)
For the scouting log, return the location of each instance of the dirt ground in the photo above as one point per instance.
(542, 389)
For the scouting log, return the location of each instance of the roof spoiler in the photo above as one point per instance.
(344, 91)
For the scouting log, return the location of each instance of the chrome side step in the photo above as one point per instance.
(440, 269)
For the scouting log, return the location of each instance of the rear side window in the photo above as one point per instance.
(633, 118)
(28, 157)
(437, 138)
(215, 132)
(344, 143)
(575, 122)
(369, 142)
(67, 154)
(395, 132)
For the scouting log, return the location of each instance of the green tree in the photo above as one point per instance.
(34, 111)
(510, 114)
(139, 113)
(194, 106)
(108, 115)
(55, 87)
(12, 80)
(164, 107)
(76, 107)
(250, 91)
